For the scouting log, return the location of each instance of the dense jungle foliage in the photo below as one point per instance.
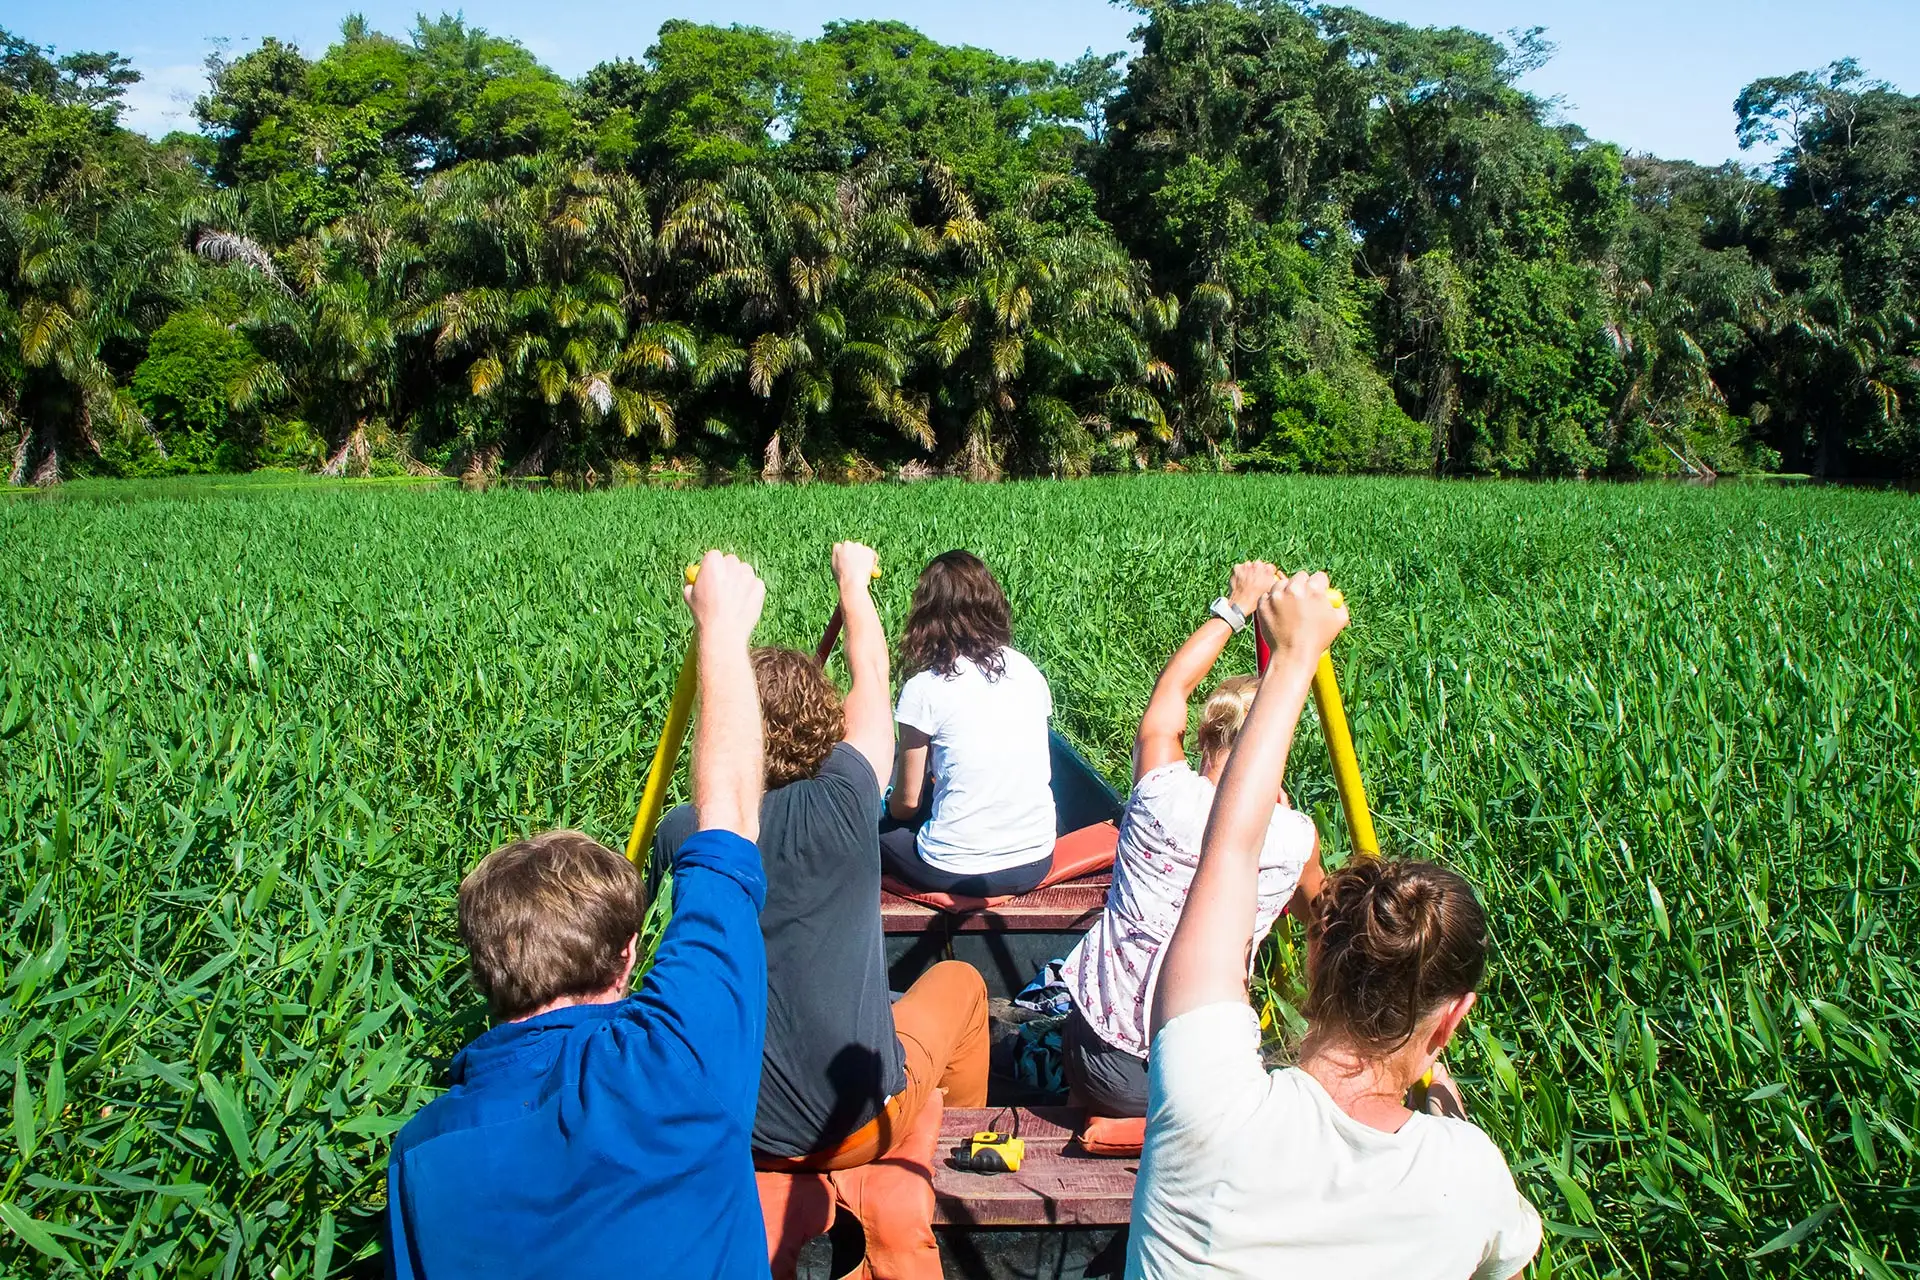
(1279, 236)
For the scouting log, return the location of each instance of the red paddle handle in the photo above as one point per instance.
(831, 638)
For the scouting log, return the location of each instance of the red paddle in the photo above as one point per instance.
(830, 639)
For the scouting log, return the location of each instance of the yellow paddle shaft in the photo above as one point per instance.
(1346, 764)
(1353, 792)
(667, 754)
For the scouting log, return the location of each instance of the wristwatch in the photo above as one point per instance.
(1229, 612)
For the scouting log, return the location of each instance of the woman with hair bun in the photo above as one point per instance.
(1320, 1169)
(971, 810)
(1112, 973)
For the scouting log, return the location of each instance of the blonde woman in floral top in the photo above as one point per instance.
(1112, 973)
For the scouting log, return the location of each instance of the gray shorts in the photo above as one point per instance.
(1105, 1080)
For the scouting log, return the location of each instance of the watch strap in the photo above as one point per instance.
(1229, 612)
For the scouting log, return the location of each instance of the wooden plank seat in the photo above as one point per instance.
(1007, 943)
(1058, 1185)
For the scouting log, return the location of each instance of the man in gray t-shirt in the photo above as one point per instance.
(845, 1069)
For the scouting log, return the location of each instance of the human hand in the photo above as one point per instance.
(725, 598)
(855, 564)
(1250, 584)
(1299, 621)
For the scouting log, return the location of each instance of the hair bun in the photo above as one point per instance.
(1391, 942)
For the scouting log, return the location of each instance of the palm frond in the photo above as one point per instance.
(486, 375)
(261, 383)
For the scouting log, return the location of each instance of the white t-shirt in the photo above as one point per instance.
(1114, 969)
(992, 769)
(1247, 1174)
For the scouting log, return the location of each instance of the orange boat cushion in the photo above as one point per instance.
(1113, 1135)
(1076, 854)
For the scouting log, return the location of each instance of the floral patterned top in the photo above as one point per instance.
(1113, 971)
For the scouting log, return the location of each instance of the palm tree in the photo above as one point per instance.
(1662, 303)
(65, 298)
(1040, 338)
(1847, 357)
(540, 290)
(320, 312)
(816, 287)
(1207, 337)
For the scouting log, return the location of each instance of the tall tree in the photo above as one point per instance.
(538, 292)
(817, 285)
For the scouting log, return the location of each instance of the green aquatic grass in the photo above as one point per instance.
(249, 742)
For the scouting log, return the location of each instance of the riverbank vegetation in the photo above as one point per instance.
(1280, 236)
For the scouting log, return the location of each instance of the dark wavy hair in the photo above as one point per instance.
(959, 611)
(1390, 942)
(803, 713)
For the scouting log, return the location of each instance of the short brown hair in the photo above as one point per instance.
(1388, 943)
(548, 917)
(958, 611)
(1225, 713)
(802, 711)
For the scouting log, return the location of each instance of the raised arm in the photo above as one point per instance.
(1163, 729)
(869, 704)
(707, 989)
(728, 745)
(1206, 960)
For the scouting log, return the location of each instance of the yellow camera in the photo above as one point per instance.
(990, 1152)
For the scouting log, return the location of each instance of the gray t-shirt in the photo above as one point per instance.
(832, 1059)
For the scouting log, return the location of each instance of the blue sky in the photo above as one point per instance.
(1653, 75)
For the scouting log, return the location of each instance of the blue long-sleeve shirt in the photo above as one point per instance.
(610, 1139)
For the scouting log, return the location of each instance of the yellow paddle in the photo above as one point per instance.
(653, 800)
(1333, 725)
(1346, 779)
(667, 754)
(1346, 764)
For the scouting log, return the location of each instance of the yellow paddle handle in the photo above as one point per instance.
(1346, 765)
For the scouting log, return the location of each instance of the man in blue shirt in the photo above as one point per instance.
(592, 1132)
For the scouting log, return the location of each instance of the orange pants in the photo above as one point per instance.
(892, 1199)
(942, 1025)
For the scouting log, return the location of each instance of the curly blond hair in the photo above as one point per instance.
(802, 711)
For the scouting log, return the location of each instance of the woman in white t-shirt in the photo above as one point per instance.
(973, 742)
(1111, 973)
(1321, 1169)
